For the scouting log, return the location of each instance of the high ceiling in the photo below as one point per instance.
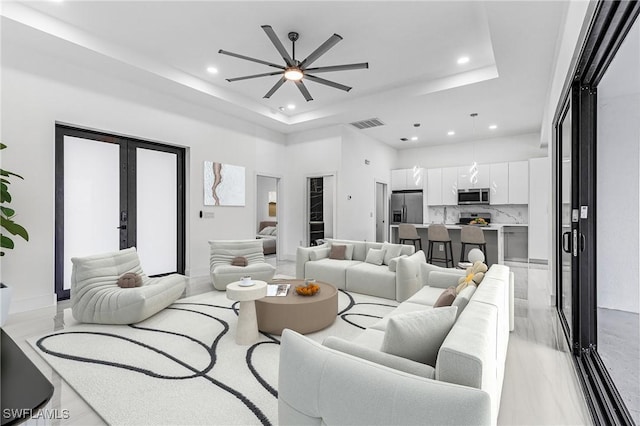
(412, 49)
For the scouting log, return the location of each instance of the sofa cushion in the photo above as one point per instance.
(318, 254)
(374, 280)
(393, 263)
(338, 252)
(391, 251)
(446, 298)
(442, 279)
(419, 335)
(403, 308)
(426, 296)
(382, 358)
(463, 298)
(330, 271)
(427, 268)
(375, 256)
(370, 338)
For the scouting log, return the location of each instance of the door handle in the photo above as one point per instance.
(566, 242)
(122, 227)
(583, 242)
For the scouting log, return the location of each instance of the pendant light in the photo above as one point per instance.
(473, 170)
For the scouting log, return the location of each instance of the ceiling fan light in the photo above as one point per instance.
(293, 73)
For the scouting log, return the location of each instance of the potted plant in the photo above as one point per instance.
(8, 229)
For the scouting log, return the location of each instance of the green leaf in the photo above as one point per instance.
(8, 173)
(6, 242)
(14, 228)
(5, 197)
(6, 181)
(9, 213)
(2, 146)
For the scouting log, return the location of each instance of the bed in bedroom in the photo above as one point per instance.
(267, 232)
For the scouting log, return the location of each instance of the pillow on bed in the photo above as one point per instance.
(267, 230)
(275, 231)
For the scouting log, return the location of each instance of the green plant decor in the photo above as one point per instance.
(7, 225)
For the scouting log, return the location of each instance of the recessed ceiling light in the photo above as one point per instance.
(212, 70)
(291, 106)
(463, 60)
(414, 138)
(493, 127)
(281, 109)
(451, 133)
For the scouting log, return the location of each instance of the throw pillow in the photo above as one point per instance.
(391, 251)
(267, 230)
(446, 297)
(318, 254)
(393, 263)
(239, 261)
(337, 252)
(418, 335)
(375, 256)
(462, 299)
(348, 255)
(129, 280)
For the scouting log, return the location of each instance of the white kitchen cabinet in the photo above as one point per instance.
(406, 179)
(483, 177)
(450, 186)
(398, 179)
(434, 187)
(499, 183)
(519, 182)
(539, 200)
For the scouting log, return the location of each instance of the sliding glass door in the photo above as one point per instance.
(113, 193)
(597, 142)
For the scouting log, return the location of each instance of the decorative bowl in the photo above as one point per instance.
(307, 290)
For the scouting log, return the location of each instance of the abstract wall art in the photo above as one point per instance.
(224, 184)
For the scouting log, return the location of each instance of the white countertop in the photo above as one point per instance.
(491, 227)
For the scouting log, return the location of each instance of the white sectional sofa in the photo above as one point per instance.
(342, 382)
(397, 278)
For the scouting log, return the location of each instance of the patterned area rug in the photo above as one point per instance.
(182, 366)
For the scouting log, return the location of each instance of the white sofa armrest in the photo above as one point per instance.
(408, 275)
(302, 257)
(318, 385)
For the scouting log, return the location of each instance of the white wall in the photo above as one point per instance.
(38, 90)
(356, 198)
(265, 185)
(520, 147)
(617, 189)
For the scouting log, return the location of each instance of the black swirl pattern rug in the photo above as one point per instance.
(182, 366)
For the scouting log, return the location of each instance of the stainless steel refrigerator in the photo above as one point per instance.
(406, 207)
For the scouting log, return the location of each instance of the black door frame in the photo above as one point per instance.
(610, 24)
(128, 201)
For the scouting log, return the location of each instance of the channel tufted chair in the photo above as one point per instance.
(222, 255)
(96, 297)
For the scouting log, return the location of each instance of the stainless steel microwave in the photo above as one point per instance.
(473, 196)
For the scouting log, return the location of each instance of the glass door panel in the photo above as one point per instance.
(91, 199)
(565, 299)
(157, 203)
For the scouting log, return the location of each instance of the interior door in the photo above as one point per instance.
(568, 243)
(381, 214)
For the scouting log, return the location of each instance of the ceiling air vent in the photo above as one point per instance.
(367, 124)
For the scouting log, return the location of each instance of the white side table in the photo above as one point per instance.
(247, 331)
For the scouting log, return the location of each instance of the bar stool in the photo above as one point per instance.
(440, 234)
(472, 235)
(408, 232)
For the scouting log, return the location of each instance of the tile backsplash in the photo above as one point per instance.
(509, 213)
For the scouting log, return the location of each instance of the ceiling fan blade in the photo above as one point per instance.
(303, 90)
(332, 68)
(327, 82)
(246, 58)
(247, 77)
(275, 87)
(320, 50)
(278, 45)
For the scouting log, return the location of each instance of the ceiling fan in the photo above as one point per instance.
(295, 70)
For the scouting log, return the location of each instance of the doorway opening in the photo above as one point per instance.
(267, 212)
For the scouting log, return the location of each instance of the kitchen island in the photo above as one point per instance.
(493, 235)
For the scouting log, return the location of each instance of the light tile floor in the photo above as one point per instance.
(540, 385)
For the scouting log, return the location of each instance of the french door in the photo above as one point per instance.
(113, 193)
(597, 163)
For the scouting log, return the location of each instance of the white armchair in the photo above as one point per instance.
(96, 297)
(223, 253)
